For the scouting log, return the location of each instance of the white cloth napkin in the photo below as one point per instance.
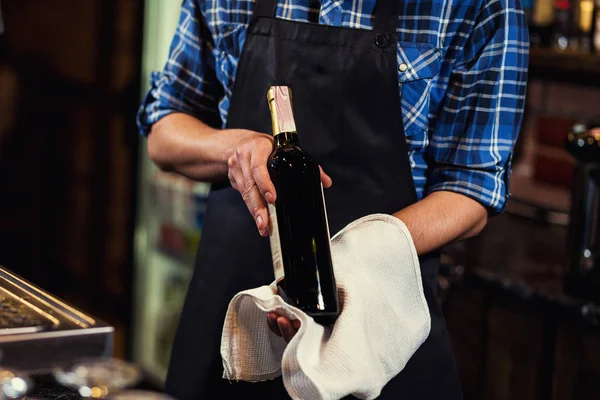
(384, 320)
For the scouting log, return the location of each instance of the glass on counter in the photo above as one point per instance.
(13, 384)
(98, 377)
(140, 395)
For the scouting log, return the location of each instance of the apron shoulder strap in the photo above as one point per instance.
(386, 13)
(265, 8)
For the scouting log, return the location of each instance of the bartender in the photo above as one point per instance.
(412, 108)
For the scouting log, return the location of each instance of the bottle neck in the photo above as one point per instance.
(285, 139)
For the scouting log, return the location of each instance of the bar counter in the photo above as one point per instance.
(40, 334)
(516, 333)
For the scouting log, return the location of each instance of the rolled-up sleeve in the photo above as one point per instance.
(188, 82)
(472, 143)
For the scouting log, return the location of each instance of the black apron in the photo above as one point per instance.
(346, 102)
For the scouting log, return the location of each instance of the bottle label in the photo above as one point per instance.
(275, 244)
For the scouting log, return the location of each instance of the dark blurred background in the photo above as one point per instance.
(69, 88)
(86, 216)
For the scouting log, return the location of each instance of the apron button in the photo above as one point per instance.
(402, 67)
(381, 41)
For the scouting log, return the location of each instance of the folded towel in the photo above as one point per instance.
(384, 320)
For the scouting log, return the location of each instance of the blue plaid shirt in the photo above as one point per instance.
(462, 88)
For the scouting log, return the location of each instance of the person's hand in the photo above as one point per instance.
(248, 175)
(282, 326)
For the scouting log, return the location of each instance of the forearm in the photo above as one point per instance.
(184, 144)
(441, 218)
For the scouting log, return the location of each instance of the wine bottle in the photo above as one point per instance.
(542, 19)
(298, 227)
(584, 24)
(562, 24)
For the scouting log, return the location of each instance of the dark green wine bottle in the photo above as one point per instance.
(299, 231)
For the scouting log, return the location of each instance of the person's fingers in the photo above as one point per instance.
(272, 323)
(296, 324)
(325, 179)
(258, 166)
(249, 175)
(282, 326)
(285, 326)
(250, 192)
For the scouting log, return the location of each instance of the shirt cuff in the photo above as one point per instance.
(488, 188)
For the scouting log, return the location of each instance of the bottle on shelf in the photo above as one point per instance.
(562, 27)
(583, 22)
(542, 23)
(299, 231)
(596, 28)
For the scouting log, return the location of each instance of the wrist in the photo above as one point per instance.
(235, 138)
